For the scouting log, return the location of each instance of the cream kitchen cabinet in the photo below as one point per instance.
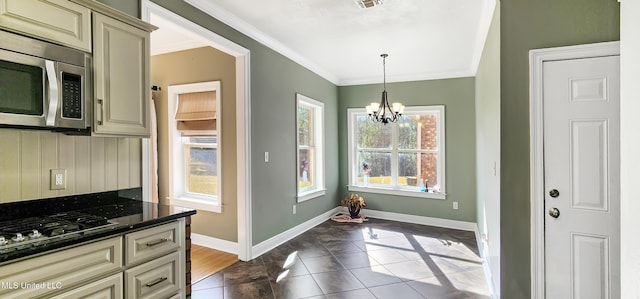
(155, 262)
(58, 21)
(62, 270)
(120, 47)
(147, 263)
(159, 278)
(110, 287)
(121, 77)
(151, 243)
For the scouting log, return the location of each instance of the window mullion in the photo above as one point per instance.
(394, 156)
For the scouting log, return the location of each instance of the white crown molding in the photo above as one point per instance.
(482, 33)
(251, 31)
(409, 78)
(223, 15)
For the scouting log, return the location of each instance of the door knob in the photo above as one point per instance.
(555, 213)
(554, 193)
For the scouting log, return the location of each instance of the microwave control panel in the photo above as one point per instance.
(71, 96)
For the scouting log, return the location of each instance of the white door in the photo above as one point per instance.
(582, 180)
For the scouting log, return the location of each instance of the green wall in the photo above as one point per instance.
(129, 7)
(529, 25)
(275, 80)
(458, 97)
(488, 149)
(193, 66)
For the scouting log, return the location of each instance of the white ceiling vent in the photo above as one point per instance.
(368, 3)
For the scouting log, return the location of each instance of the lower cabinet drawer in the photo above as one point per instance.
(155, 279)
(61, 270)
(106, 288)
(153, 242)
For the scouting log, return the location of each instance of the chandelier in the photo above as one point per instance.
(383, 112)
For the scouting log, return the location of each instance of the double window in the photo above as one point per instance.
(403, 158)
(194, 148)
(310, 147)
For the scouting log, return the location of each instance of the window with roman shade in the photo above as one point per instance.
(195, 134)
(196, 113)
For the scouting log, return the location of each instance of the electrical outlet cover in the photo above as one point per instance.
(58, 179)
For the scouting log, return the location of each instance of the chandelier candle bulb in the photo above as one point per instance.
(397, 107)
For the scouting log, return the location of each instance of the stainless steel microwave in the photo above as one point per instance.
(43, 85)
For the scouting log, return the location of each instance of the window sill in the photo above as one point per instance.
(398, 192)
(311, 195)
(197, 203)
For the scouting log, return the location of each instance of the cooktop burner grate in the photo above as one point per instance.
(34, 231)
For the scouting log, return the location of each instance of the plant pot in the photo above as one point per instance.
(354, 212)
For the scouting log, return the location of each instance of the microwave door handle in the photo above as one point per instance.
(50, 117)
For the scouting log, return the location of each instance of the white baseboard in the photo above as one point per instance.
(289, 234)
(214, 243)
(439, 222)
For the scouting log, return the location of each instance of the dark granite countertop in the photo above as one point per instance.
(124, 209)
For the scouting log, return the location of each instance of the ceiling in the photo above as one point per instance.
(342, 42)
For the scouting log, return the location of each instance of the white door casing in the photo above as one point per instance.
(581, 106)
(243, 118)
(583, 129)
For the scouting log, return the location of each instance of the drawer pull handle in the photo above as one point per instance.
(154, 243)
(155, 282)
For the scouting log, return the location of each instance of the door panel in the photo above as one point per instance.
(590, 266)
(589, 168)
(581, 161)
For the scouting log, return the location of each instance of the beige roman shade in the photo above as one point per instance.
(196, 114)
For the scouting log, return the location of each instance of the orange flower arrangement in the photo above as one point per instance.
(353, 201)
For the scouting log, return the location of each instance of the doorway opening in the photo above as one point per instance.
(151, 12)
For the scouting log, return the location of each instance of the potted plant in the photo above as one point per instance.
(354, 203)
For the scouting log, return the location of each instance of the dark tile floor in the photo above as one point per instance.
(375, 259)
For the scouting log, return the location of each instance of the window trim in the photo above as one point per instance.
(178, 194)
(319, 149)
(397, 190)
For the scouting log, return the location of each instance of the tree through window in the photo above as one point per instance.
(407, 155)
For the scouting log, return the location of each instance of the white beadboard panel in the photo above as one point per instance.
(111, 163)
(66, 160)
(98, 168)
(9, 165)
(48, 161)
(135, 162)
(83, 164)
(123, 163)
(93, 164)
(30, 165)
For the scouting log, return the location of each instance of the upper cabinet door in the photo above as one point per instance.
(58, 21)
(121, 78)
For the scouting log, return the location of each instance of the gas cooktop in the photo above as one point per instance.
(38, 231)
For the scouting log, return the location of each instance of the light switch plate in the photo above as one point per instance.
(58, 179)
